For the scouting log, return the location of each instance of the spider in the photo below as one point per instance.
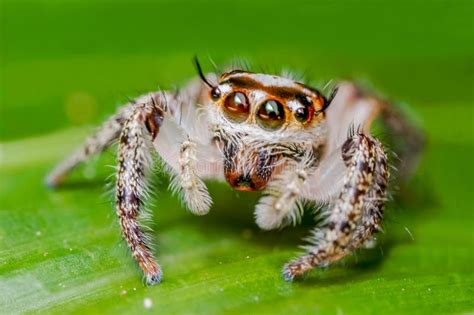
(258, 132)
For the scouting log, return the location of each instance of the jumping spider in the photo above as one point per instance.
(258, 132)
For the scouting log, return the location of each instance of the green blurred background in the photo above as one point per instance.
(66, 65)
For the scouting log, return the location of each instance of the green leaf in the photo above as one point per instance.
(67, 64)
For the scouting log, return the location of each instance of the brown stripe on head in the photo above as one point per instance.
(243, 80)
(299, 105)
(247, 83)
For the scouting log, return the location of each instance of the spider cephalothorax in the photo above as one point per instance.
(261, 121)
(257, 132)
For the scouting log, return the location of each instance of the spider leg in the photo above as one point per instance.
(365, 177)
(354, 106)
(371, 221)
(134, 161)
(407, 138)
(103, 137)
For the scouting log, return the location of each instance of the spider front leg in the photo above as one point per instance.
(356, 214)
(134, 161)
(371, 221)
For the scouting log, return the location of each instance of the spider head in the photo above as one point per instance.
(261, 119)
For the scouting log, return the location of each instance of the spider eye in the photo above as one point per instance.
(304, 114)
(237, 106)
(305, 100)
(271, 115)
(301, 114)
(215, 93)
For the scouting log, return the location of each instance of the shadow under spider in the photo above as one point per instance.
(233, 213)
(82, 184)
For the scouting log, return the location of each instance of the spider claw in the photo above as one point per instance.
(288, 274)
(154, 278)
(51, 182)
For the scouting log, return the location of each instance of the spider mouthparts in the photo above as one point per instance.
(245, 182)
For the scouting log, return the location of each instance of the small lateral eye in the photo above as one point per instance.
(215, 93)
(303, 114)
(237, 106)
(271, 114)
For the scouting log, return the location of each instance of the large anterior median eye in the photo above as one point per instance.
(237, 106)
(271, 115)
